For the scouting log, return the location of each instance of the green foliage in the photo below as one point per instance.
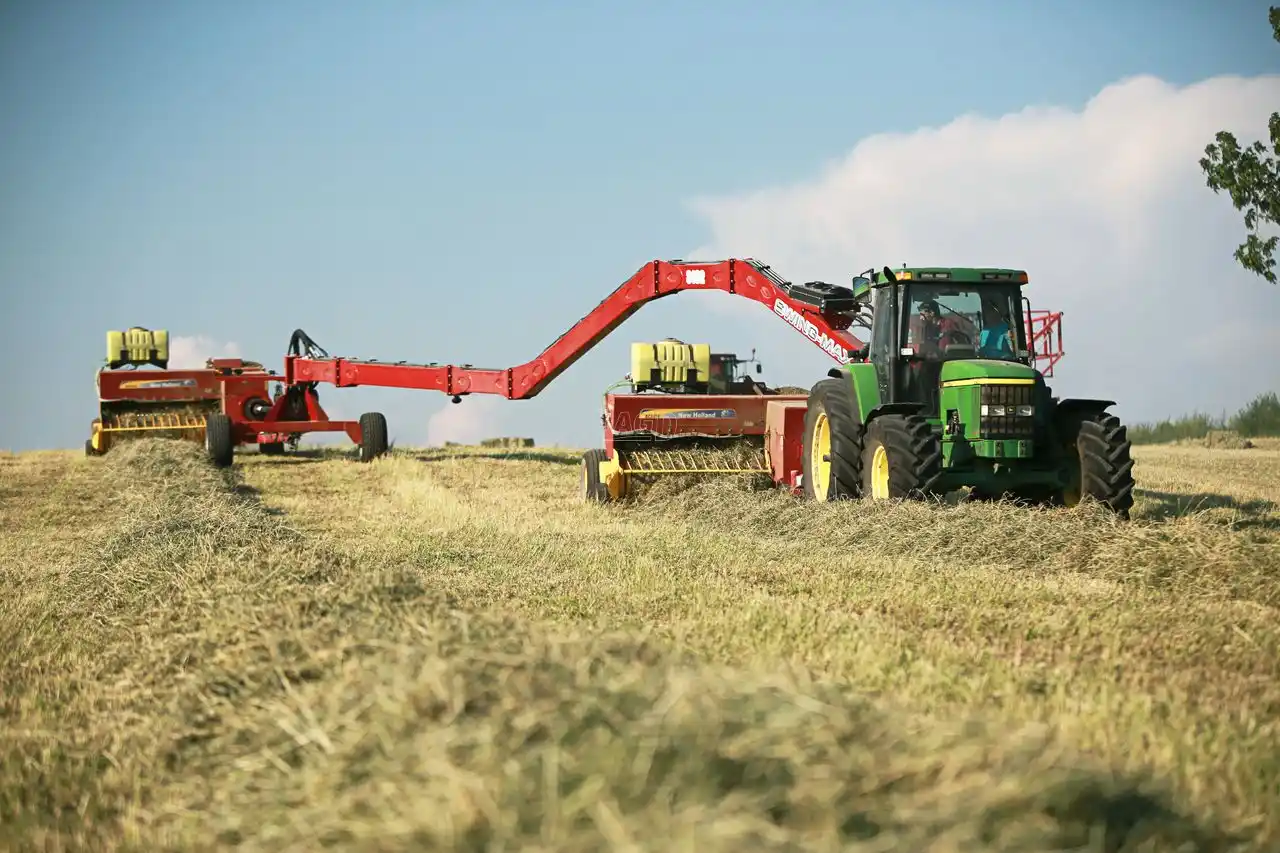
(1260, 417)
(1190, 426)
(1251, 177)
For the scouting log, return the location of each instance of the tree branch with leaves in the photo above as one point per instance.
(1252, 178)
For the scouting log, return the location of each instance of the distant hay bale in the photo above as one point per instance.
(507, 442)
(1226, 439)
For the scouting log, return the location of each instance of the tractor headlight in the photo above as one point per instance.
(1026, 411)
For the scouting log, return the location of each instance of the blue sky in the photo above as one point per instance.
(462, 181)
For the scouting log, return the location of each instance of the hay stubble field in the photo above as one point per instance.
(446, 650)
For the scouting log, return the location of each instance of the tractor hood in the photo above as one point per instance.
(986, 368)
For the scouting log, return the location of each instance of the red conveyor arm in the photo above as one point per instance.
(654, 280)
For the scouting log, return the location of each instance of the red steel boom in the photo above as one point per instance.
(655, 280)
(826, 325)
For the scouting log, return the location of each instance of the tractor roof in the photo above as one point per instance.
(975, 275)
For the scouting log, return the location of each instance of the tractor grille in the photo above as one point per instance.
(1008, 411)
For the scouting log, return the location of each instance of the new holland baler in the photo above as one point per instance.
(225, 404)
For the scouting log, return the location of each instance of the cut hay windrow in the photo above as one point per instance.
(206, 675)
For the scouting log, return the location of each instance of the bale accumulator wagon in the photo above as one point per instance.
(226, 403)
(944, 395)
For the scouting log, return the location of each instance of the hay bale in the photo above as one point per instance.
(507, 442)
(1226, 439)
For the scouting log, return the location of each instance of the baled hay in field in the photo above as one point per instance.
(202, 676)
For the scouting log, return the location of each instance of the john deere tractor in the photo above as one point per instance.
(945, 396)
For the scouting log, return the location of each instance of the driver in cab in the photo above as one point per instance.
(930, 333)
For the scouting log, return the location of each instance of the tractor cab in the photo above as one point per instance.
(926, 319)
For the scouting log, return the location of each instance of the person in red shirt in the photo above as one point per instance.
(931, 333)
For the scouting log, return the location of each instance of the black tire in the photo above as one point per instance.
(593, 490)
(219, 441)
(373, 436)
(912, 453)
(833, 401)
(1101, 463)
(88, 448)
(274, 448)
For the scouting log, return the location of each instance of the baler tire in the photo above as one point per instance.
(835, 399)
(219, 441)
(373, 436)
(912, 452)
(593, 490)
(1103, 462)
(272, 448)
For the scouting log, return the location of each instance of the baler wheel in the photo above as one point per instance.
(902, 458)
(593, 489)
(273, 448)
(219, 441)
(1102, 466)
(832, 448)
(373, 436)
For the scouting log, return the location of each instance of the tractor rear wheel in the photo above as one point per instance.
(901, 458)
(219, 440)
(832, 449)
(1100, 464)
(373, 436)
(594, 490)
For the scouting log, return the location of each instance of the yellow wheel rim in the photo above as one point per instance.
(820, 457)
(880, 474)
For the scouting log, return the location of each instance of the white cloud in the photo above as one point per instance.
(1105, 206)
(187, 352)
(476, 417)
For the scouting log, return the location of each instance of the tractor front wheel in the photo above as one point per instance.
(373, 436)
(901, 458)
(832, 448)
(219, 440)
(1100, 465)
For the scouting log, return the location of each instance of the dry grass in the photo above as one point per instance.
(444, 650)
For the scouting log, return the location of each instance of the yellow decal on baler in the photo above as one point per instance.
(699, 414)
(159, 383)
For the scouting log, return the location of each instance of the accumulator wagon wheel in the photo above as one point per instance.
(373, 436)
(219, 442)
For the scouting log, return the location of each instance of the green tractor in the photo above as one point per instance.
(945, 396)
